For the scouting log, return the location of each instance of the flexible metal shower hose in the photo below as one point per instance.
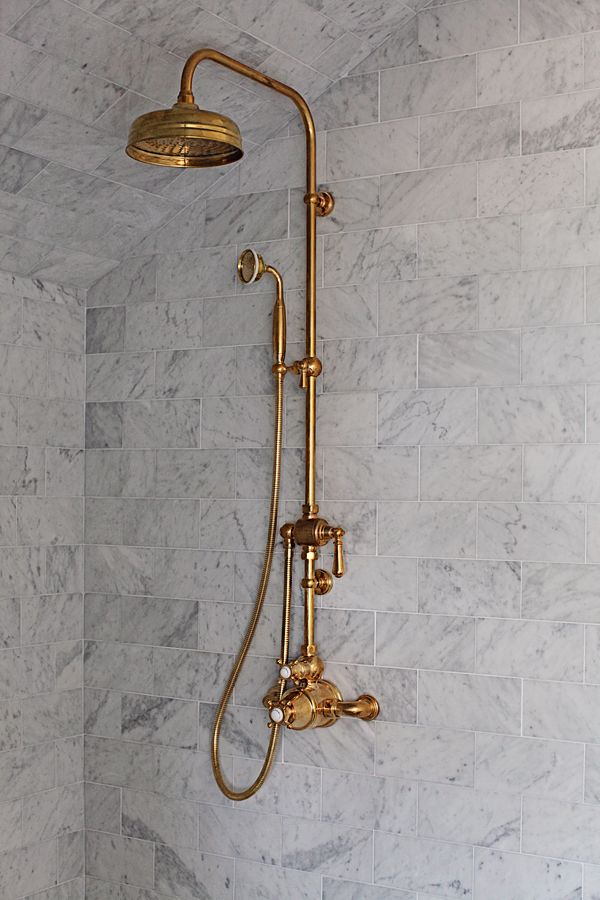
(251, 629)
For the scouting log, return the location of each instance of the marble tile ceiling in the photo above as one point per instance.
(72, 76)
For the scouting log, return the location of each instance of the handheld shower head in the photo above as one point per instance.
(251, 266)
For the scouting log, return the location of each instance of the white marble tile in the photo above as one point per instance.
(371, 364)
(591, 882)
(426, 529)
(561, 711)
(244, 219)
(343, 57)
(112, 376)
(400, 49)
(347, 102)
(461, 28)
(28, 868)
(554, 828)
(316, 846)
(593, 533)
(241, 834)
(539, 297)
(428, 304)
(473, 134)
(424, 865)
(342, 419)
(463, 814)
(348, 748)
(532, 183)
(560, 123)
(65, 89)
(382, 473)
(568, 237)
(567, 17)
(530, 649)
(385, 804)
(132, 281)
(291, 30)
(347, 311)
(115, 473)
(203, 273)
(477, 358)
(471, 473)
(428, 87)
(561, 473)
(560, 592)
(592, 773)
(372, 149)
(591, 52)
(50, 520)
(592, 175)
(510, 876)
(560, 355)
(522, 765)
(352, 890)
(52, 139)
(469, 587)
(118, 858)
(530, 71)
(532, 415)
(376, 583)
(549, 531)
(423, 753)
(476, 702)
(592, 643)
(469, 247)
(424, 641)
(272, 882)
(195, 373)
(429, 196)
(373, 21)
(383, 254)
(17, 62)
(436, 416)
(236, 422)
(163, 326)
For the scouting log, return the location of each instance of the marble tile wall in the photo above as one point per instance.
(42, 415)
(458, 445)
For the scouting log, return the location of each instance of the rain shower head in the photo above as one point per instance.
(185, 136)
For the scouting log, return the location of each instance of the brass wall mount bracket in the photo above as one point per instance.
(324, 202)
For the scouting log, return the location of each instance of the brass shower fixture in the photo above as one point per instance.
(187, 136)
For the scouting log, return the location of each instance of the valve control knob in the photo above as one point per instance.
(285, 672)
(276, 715)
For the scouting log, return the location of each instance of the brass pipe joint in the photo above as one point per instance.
(309, 367)
(318, 532)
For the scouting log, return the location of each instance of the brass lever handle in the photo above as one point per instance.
(338, 567)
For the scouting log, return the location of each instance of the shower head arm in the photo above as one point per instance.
(186, 96)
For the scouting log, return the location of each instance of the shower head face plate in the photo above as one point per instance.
(250, 266)
(186, 137)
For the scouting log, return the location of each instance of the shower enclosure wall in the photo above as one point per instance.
(459, 326)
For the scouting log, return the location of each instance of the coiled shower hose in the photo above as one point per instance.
(251, 629)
